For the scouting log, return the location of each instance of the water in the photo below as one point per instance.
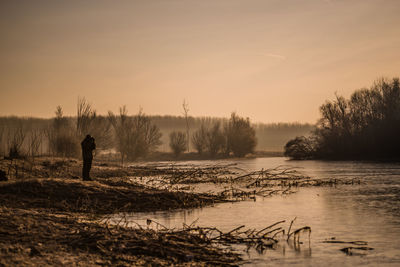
(368, 212)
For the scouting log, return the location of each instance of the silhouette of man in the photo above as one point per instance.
(88, 145)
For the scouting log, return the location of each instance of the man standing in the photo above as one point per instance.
(88, 145)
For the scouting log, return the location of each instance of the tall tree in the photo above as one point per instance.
(186, 114)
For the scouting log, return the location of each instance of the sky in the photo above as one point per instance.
(269, 60)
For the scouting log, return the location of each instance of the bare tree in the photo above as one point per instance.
(367, 125)
(121, 125)
(199, 139)
(16, 139)
(61, 136)
(85, 117)
(59, 121)
(177, 142)
(135, 136)
(88, 122)
(186, 114)
(34, 141)
(215, 139)
(35, 137)
(144, 136)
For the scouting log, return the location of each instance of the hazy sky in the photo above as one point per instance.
(270, 60)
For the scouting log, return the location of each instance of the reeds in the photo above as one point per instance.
(260, 240)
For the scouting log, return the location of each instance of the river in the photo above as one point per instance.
(367, 212)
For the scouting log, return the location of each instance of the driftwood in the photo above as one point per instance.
(238, 184)
(354, 250)
(358, 249)
(260, 240)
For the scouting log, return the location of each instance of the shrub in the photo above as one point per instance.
(177, 142)
(299, 148)
(241, 136)
(215, 139)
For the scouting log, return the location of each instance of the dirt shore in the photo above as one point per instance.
(56, 221)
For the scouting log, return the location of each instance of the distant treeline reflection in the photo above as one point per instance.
(365, 126)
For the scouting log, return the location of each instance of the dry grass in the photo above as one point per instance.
(53, 221)
(44, 239)
(97, 197)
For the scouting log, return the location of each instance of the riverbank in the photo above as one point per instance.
(39, 193)
(42, 238)
(187, 156)
(48, 216)
(95, 197)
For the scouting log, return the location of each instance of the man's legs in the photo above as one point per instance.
(87, 164)
(84, 177)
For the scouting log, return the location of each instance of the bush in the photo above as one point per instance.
(299, 148)
(177, 142)
(215, 139)
(199, 139)
(241, 136)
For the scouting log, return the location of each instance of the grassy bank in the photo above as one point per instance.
(96, 197)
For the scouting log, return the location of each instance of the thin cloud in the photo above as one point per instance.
(277, 56)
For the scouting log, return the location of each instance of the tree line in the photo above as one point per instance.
(131, 136)
(236, 137)
(365, 126)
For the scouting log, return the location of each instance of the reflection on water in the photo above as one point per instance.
(368, 212)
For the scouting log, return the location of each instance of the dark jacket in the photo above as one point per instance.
(88, 145)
